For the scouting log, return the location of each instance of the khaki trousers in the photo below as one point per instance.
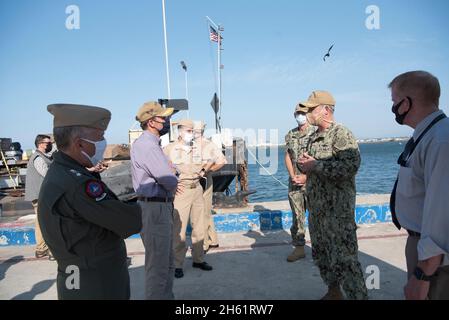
(41, 246)
(439, 285)
(189, 206)
(210, 234)
(157, 238)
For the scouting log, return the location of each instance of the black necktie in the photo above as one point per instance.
(402, 160)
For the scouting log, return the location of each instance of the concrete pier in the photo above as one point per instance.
(247, 265)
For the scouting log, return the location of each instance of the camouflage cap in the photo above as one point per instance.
(68, 115)
(152, 109)
(318, 98)
(186, 123)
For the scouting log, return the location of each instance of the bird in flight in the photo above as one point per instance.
(327, 55)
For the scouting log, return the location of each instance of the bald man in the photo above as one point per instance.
(418, 201)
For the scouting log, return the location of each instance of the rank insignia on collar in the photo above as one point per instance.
(75, 172)
(95, 190)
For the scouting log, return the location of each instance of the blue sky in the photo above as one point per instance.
(272, 56)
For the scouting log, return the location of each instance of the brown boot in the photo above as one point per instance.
(333, 293)
(298, 253)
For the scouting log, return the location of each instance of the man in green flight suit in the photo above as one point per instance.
(82, 221)
(296, 142)
(331, 165)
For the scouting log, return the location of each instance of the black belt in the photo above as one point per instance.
(155, 199)
(414, 234)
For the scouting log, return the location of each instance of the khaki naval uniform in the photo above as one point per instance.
(190, 204)
(83, 222)
(210, 153)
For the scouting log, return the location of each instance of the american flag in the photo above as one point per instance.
(214, 35)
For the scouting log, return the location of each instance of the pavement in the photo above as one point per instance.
(247, 266)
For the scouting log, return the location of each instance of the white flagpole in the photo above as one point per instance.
(166, 49)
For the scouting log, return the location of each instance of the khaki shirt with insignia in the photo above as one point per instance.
(187, 161)
(331, 184)
(209, 152)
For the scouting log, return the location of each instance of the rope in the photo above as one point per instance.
(269, 173)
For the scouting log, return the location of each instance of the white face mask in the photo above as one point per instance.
(100, 147)
(187, 137)
(301, 119)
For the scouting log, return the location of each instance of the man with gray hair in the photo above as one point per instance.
(82, 221)
(419, 198)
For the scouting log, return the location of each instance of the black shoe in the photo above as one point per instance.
(203, 266)
(43, 254)
(179, 273)
(40, 254)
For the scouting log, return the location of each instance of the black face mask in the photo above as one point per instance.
(166, 128)
(48, 148)
(401, 117)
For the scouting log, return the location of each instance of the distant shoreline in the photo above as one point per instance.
(360, 141)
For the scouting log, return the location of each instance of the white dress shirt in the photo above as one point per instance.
(422, 196)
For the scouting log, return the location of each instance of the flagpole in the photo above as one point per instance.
(166, 49)
(219, 75)
(217, 27)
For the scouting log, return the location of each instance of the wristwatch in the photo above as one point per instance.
(420, 275)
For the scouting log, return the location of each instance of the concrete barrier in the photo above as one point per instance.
(260, 219)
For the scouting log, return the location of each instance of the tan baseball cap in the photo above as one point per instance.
(318, 98)
(300, 108)
(185, 123)
(199, 125)
(152, 109)
(67, 115)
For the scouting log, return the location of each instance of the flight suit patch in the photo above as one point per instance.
(95, 190)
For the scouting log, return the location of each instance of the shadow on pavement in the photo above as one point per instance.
(5, 265)
(37, 288)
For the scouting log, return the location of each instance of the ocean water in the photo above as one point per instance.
(376, 174)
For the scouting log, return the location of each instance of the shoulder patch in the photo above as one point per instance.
(95, 190)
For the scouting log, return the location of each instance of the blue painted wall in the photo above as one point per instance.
(227, 223)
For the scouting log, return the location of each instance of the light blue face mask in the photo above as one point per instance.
(100, 148)
(301, 119)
